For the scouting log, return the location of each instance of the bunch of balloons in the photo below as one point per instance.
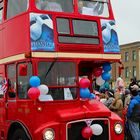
(84, 83)
(94, 129)
(102, 74)
(36, 89)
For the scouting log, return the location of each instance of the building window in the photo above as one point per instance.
(1, 10)
(126, 56)
(15, 7)
(126, 72)
(134, 71)
(134, 55)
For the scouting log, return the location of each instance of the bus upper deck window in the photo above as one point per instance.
(15, 7)
(55, 5)
(93, 7)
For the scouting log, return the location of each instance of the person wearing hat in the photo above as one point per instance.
(131, 118)
(109, 97)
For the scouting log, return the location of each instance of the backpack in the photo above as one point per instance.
(135, 117)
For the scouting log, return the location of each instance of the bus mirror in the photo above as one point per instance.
(23, 69)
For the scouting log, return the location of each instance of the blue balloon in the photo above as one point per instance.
(92, 96)
(106, 67)
(106, 76)
(84, 93)
(34, 81)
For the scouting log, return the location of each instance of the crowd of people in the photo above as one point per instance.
(125, 102)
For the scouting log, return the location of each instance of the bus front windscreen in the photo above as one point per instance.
(60, 77)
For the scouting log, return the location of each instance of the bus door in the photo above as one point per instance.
(11, 92)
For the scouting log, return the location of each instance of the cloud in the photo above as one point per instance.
(127, 15)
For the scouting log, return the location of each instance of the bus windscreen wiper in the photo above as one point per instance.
(52, 64)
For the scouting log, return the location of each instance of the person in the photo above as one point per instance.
(138, 82)
(97, 7)
(119, 84)
(117, 104)
(133, 125)
(103, 93)
(106, 86)
(133, 82)
(80, 6)
(110, 98)
(53, 5)
(127, 97)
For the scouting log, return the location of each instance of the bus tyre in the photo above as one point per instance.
(19, 134)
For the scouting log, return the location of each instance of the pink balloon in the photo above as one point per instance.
(33, 93)
(84, 83)
(87, 132)
(97, 72)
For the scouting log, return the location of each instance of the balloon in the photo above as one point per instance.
(97, 72)
(106, 76)
(33, 93)
(96, 129)
(92, 96)
(106, 67)
(87, 132)
(84, 93)
(84, 83)
(99, 81)
(34, 81)
(43, 89)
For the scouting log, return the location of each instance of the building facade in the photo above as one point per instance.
(131, 62)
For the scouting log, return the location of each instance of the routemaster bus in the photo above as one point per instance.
(50, 53)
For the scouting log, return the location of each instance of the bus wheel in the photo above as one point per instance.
(19, 134)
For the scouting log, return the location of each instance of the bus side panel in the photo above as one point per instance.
(1, 40)
(16, 35)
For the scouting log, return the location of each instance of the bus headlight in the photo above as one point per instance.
(118, 128)
(49, 134)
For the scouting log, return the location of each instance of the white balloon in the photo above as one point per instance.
(43, 89)
(96, 129)
(100, 81)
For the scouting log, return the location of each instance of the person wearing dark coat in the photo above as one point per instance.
(133, 125)
(133, 82)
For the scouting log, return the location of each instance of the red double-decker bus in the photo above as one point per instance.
(45, 47)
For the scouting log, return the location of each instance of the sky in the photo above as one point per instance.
(127, 16)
